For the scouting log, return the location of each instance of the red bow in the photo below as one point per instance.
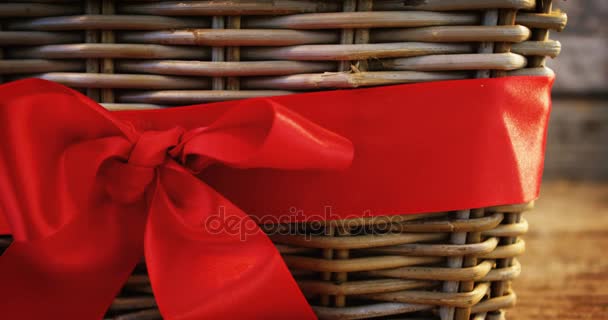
(121, 192)
(86, 191)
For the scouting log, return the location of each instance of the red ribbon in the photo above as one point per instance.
(86, 191)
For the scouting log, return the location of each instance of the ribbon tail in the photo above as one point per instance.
(208, 260)
(73, 248)
(73, 274)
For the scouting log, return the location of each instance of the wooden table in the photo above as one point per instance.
(565, 267)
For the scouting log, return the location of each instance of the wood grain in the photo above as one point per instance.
(565, 267)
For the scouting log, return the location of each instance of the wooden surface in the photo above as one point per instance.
(565, 267)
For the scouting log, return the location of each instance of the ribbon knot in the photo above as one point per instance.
(152, 147)
(127, 181)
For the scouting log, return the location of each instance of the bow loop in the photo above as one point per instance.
(261, 133)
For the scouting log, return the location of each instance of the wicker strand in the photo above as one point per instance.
(92, 36)
(107, 64)
(469, 261)
(347, 35)
(490, 18)
(505, 17)
(543, 6)
(2, 27)
(447, 313)
(217, 53)
(233, 53)
(341, 277)
(327, 253)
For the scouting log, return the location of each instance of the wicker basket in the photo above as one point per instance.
(144, 54)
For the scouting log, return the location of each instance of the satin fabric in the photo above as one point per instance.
(86, 192)
(419, 148)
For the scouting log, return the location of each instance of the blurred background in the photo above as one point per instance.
(565, 272)
(578, 144)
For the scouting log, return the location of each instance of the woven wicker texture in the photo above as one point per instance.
(145, 54)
